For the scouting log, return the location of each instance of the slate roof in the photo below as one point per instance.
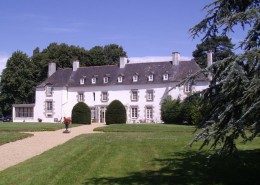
(67, 77)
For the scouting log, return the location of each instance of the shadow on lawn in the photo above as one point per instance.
(195, 168)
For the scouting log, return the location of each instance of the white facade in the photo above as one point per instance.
(53, 103)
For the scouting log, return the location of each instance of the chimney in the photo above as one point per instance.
(175, 58)
(51, 68)
(209, 58)
(209, 63)
(75, 65)
(123, 62)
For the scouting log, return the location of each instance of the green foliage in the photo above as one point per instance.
(107, 55)
(221, 47)
(170, 111)
(18, 82)
(191, 110)
(81, 114)
(115, 113)
(233, 95)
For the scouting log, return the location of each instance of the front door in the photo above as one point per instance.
(102, 114)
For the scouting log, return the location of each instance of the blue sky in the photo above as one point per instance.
(142, 27)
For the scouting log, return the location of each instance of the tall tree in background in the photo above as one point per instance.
(18, 82)
(234, 91)
(221, 46)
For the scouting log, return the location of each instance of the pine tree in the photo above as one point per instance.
(235, 88)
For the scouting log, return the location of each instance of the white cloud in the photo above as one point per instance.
(3, 60)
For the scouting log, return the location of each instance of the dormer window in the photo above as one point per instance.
(105, 80)
(165, 77)
(48, 91)
(82, 81)
(120, 79)
(150, 78)
(187, 87)
(94, 80)
(135, 78)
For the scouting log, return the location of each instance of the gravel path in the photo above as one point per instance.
(21, 150)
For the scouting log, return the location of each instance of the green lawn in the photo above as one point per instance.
(148, 154)
(12, 131)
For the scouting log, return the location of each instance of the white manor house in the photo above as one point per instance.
(139, 84)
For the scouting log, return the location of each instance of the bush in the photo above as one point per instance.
(81, 114)
(115, 113)
(191, 110)
(170, 111)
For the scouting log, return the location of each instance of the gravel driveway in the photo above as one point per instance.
(21, 150)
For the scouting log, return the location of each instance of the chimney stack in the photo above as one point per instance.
(75, 65)
(123, 62)
(209, 58)
(51, 68)
(175, 58)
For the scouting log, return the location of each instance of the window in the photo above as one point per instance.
(49, 106)
(48, 90)
(24, 112)
(134, 95)
(150, 78)
(134, 113)
(187, 87)
(120, 79)
(82, 81)
(149, 95)
(149, 112)
(81, 97)
(104, 96)
(94, 80)
(135, 78)
(105, 80)
(94, 96)
(165, 77)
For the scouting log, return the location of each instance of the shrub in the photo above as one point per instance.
(191, 110)
(170, 111)
(81, 114)
(115, 113)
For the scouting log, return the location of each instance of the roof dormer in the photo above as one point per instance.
(135, 78)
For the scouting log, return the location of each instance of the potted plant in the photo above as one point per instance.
(66, 122)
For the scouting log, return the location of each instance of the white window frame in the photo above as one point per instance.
(105, 80)
(82, 81)
(120, 79)
(94, 80)
(135, 78)
(134, 112)
(165, 77)
(150, 78)
(49, 105)
(132, 95)
(102, 96)
(149, 113)
(49, 90)
(149, 95)
(81, 97)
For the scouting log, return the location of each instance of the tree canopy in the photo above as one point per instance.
(221, 46)
(18, 82)
(235, 87)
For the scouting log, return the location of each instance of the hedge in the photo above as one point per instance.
(115, 113)
(81, 114)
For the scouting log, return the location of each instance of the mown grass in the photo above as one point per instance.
(157, 156)
(12, 131)
(6, 137)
